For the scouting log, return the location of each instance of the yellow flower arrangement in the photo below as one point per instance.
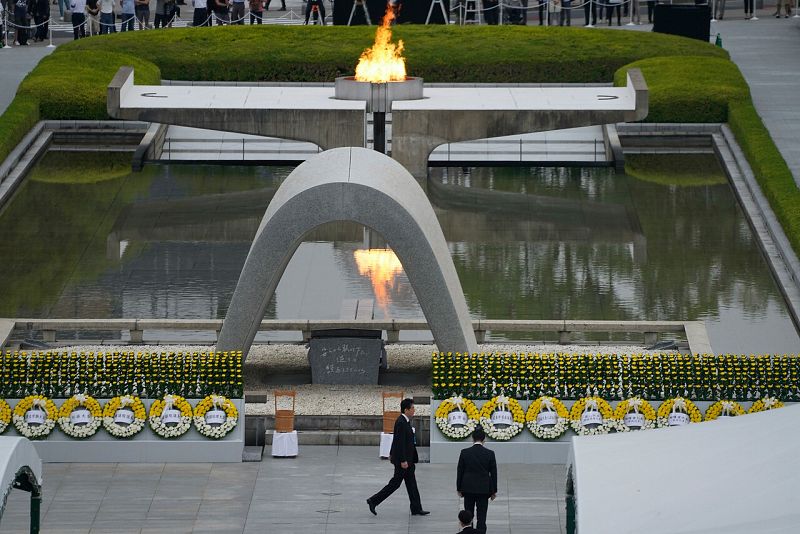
(635, 406)
(80, 416)
(761, 405)
(581, 411)
(5, 415)
(724, 408)
(675, 406)
(35, 426)
(170, 429)
(501, 403)
(124, 416)
(547, 430)
(207, 408)
(457, 431)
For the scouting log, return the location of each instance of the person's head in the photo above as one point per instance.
(478, 435)
(407, 407)
(465, 518)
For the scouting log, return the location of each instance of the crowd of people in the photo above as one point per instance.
(30, 18)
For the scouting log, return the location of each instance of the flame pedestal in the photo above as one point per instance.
(379, 98)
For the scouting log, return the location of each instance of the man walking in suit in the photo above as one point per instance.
(476, 480)
(403, 456)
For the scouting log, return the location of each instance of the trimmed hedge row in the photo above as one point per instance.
(18, 119)
(438, 54)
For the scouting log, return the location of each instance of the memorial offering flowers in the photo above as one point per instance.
(634, 414)
(677, 412)
(80, 416)
(457, 417)
(767, 403)
(502, 418)
(35, 416)
(724, 408)
(170, 417)
(616, 376)
(124, 416)
(215, 416)
(547, 418)
(109, 374)
(591, 416)
(5, 415)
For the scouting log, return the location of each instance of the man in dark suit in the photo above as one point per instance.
(465, 522)
(476, 480)
(403, 456)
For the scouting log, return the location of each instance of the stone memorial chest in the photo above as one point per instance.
(345, 356)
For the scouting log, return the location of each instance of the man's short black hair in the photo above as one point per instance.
(478, 434)
(405, 404)
(465, 517)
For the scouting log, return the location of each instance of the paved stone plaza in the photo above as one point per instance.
(323, 490)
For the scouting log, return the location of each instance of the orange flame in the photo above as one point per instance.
(384, 61)
(381, 266)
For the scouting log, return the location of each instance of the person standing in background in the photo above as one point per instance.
(256, 11)
(78, 8)
(128, 14)
(107, 22)
(237, 12)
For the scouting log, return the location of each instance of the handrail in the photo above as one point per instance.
(694, 330)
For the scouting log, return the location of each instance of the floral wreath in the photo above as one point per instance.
(170, 402)
(507, 404)
(215, 402)
(124, 402)
(35, 402)
(84, 429)
(5, 415)
(636, 405)
(591, 404)
(677, 405)
(462, 405)
(724, 408)
(542, 405)
(761, 405)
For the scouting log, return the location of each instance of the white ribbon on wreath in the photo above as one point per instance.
(727, 408)
(769, 402)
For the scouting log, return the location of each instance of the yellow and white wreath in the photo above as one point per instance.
(761, 405)
(724, 408)
(677, 412)
(124, 416)
(80, 416)
(35, 416)
(170, 417)
(634, 413)
(215, 416)
(591, 416)
(547, 418)
(457, 417)
(5, 415)
(505, 411)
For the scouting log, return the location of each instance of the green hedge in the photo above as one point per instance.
(689, 89)
(18, 119)
(436, 53)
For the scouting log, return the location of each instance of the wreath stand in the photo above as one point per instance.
(389, 417)
(284, 440)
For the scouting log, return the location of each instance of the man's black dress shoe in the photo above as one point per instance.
(371, 507)
(421, 512)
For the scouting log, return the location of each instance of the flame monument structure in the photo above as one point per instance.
(366, 186)
(360, 185)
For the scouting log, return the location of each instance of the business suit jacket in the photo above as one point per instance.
(477, 471)
(403, 448)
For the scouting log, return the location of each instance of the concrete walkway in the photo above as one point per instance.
(766, 52)
(323, 490)
(16, 63)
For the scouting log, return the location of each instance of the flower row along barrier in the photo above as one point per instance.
(616, 376)
(548, 418)
(123, 416)
(54, 374)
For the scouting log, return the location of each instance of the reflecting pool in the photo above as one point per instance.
(85, 238)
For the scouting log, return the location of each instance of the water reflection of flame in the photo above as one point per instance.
(382, 267)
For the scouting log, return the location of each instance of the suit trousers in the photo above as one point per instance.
(477, 504)
(399, 476)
